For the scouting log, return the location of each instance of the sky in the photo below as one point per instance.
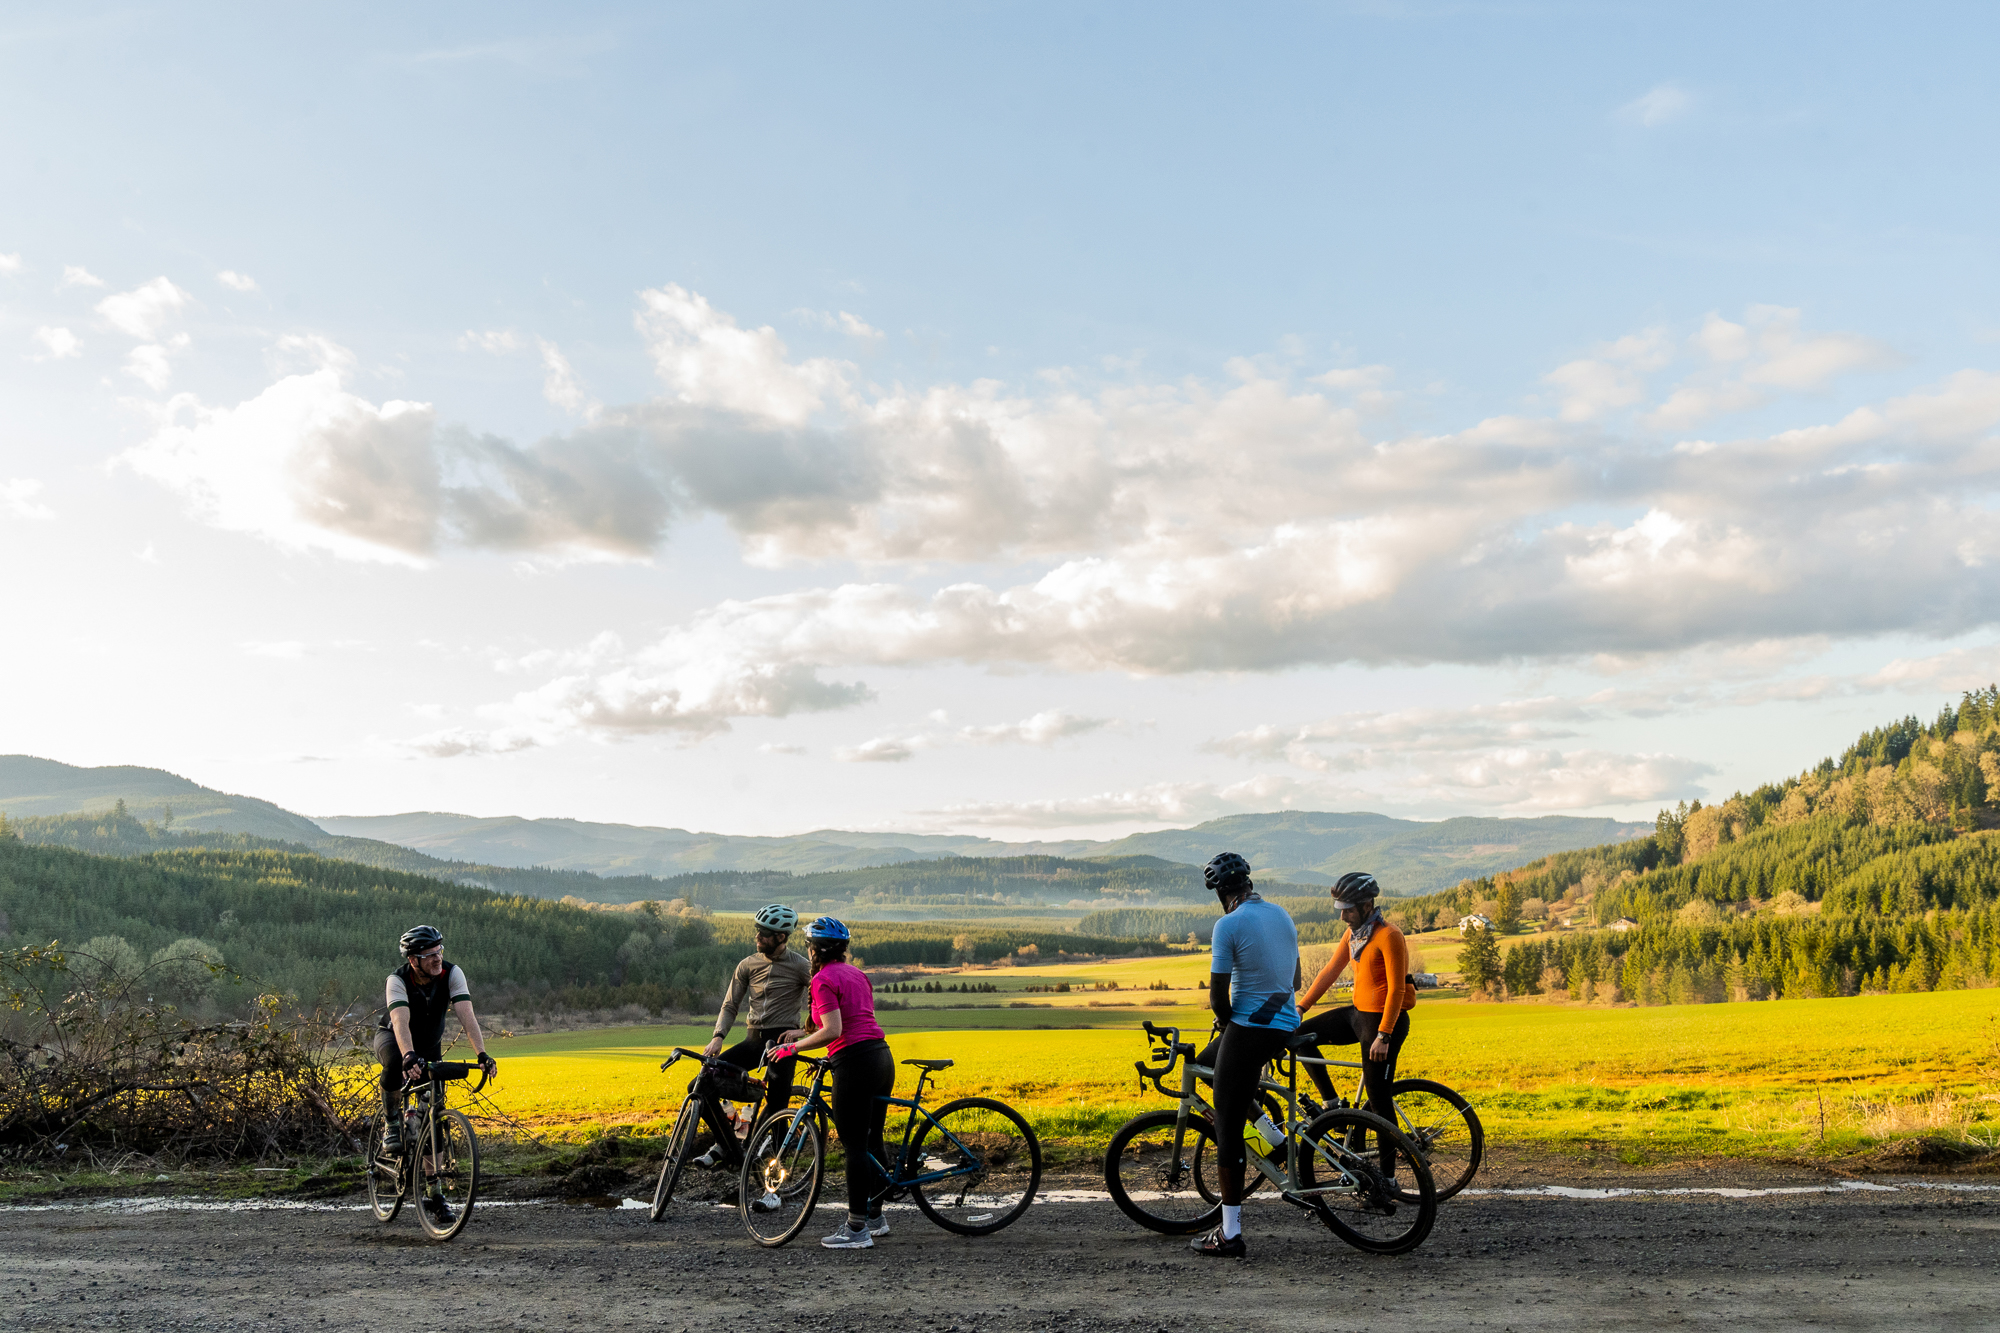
(1027, 420)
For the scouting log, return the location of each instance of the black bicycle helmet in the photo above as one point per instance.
(419, 938)
(1356, 886)
(1227, 873)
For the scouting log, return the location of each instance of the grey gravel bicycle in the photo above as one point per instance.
(1354, 1171)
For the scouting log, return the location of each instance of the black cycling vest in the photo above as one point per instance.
(430, 1005)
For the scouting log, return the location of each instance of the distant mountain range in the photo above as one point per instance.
(1303, 847)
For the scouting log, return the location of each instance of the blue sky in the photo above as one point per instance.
(1434, 409)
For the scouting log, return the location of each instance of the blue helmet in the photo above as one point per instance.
(826, 928)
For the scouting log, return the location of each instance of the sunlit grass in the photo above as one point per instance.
(1782, 1077)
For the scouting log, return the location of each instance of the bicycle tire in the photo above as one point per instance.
(679, 1145)
(1444, 1128)
(454, 1149)
(793, 1178)
(1150, 1184)
(1377, 1216)
(385, 1176)
(984, 1143)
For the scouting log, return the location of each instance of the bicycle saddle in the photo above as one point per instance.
(932, 1065)
(1301, 1041)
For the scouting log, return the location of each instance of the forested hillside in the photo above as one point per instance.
(1871, 872)
(323, 929)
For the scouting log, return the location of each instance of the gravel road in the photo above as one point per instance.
(1917, 1256)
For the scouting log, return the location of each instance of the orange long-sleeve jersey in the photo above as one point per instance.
(1380, 975)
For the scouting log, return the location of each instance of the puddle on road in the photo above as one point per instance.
(614, 1203)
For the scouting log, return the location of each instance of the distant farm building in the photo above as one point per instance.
(1473, 922)
(1624, 923)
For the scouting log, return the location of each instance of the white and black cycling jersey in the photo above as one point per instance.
(428, 1003)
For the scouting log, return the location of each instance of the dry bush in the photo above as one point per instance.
(91, 1062)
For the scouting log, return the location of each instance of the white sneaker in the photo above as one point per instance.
(770, 1203)
(848, 1239)
(878, 1225)
(708, 1159)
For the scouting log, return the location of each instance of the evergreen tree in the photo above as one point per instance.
(1479, 959)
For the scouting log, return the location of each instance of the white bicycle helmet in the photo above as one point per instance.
(777, 916)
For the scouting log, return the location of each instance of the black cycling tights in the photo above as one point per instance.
(1349, 1026)
(863, 1074)
(1238, 1058)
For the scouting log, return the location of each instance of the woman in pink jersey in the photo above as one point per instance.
(864, 1072)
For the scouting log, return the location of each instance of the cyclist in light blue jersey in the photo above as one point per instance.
(1255, 970)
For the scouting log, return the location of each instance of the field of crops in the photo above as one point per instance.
(1775, 1078)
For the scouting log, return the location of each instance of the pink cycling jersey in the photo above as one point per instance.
(845, 987)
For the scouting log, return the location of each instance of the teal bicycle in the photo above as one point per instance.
(972, 1166)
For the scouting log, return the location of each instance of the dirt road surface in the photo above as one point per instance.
(1912, 1257)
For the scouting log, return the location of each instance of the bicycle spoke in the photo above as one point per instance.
(1366, 1182)
(780, 1180)
(974, 1166)
(1153, 1185)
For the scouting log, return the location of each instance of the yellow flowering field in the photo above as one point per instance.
(1781, 1077)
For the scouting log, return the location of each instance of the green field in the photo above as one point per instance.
(1639, 1083)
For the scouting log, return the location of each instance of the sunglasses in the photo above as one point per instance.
(433, 956)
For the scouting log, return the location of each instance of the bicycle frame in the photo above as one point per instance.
(891, 1180)
(704, 1090)
(1175, 1051)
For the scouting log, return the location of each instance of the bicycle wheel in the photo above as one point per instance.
(680, 1146)
(1444, 1128)
(993, 1159)
(784, 1164)
(1373, 1210)
(385, 1176)
(452, 1162)
(1151, 1183)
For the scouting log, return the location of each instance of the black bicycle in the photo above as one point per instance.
(439, 1160)
(717, 1081)
(1438, 1120)
(972, 1166)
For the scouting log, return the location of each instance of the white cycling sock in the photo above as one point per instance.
(1232, 1220)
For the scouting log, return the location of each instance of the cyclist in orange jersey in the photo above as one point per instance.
(1379, 1019)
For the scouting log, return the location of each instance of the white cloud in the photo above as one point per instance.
(141, 311)
(842, 322)
(57, 343)
(774, 748)
(236, 282)
(496, 341)
(1766, 353)
(146, 555)
(75, 275)
(10, 263)
(1657, 105)
(284, 650)
(881, 750)
(1162, 528)
(1044, 728)
(559, 384)
(708, 361)
(17, 497)
(148, 363)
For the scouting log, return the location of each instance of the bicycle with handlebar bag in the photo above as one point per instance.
(717, 1081)
(972, 1166)
(439, 1163)
(1352, 1170)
